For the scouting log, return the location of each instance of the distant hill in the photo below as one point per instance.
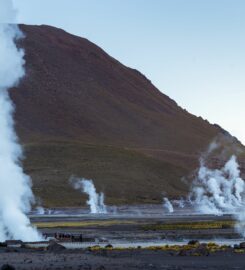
(79, 111)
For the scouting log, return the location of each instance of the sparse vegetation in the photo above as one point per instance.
(125, 176)
(202, 225)
(193, 250)
(88, 223)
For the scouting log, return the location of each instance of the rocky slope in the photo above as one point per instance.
(79, 111)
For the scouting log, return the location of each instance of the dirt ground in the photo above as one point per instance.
(117, 260)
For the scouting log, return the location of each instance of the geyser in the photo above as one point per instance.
(168, 205)
(96, 200)
(218, 191)
(15, 193)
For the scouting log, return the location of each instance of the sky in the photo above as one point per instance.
(192, 50)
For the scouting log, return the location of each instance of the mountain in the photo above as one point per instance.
(81, 112)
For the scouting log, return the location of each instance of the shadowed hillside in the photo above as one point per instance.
(79, 111)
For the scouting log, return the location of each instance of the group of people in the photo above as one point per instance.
(66, 237)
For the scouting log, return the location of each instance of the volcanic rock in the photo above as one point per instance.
(7, 267)
(55, 247)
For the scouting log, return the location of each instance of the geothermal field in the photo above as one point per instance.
(175, 235)
(100, 170)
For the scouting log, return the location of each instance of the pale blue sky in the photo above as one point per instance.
(192, 50)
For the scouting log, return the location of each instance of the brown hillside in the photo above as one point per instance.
(80, 111)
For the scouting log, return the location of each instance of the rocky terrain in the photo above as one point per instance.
(81, 112)
(55, 258)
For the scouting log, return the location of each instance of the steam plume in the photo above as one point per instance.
(15, 192)
(180, 203)
(95, 201)
(168, 205)
(220, 191)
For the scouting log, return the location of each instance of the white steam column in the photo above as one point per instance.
(96, 200)
(15, 192)
(218, 191)
(168, 205)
